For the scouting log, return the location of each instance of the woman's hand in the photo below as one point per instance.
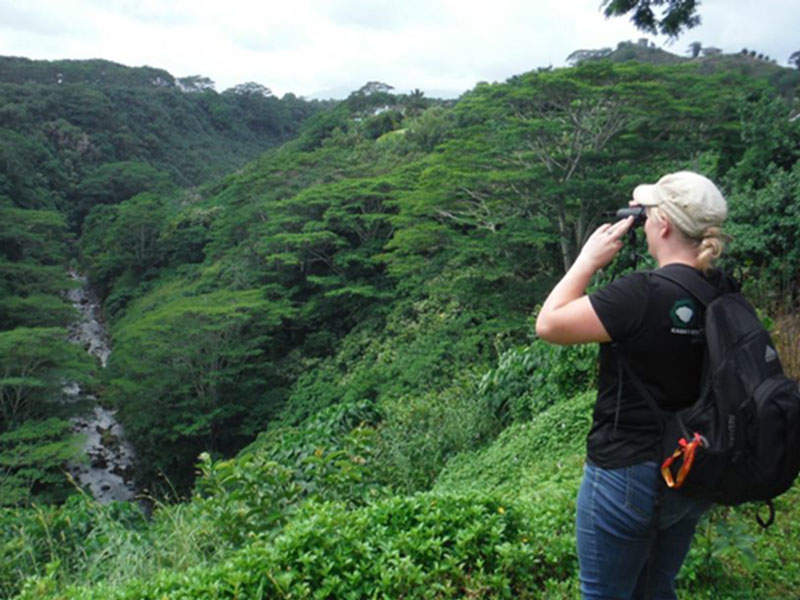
(567, 316)
(604, 244)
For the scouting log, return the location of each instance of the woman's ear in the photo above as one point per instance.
(665, 228)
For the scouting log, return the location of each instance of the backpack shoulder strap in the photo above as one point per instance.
(692, 282)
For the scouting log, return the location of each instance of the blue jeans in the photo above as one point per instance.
(614, 531)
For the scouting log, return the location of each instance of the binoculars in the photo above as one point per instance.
(638, 213)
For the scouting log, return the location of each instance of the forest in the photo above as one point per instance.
(321, 316)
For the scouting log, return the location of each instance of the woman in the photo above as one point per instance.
(654, 325)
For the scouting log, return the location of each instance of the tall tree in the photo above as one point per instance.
(694, 49)
(33, 247)
(568, 125)
(36, 361)
(177, 374)
(32, 458)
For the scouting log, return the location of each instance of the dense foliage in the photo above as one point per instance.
(345, 266)
(35, 357)
(76, 135)
(79, 133)
(327, 355)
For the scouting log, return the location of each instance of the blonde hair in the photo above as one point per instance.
(709, 246)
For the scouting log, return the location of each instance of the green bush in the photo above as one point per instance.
(542, 456)
(254, 495)
(423, 546)
(529, 379)
(498, 524)
(732, 557)
(71, 542)
(422, 432)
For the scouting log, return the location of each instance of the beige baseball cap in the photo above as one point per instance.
(690, 201)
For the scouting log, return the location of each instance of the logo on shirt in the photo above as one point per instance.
(685, 318)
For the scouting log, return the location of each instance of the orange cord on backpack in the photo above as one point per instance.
(687, 450)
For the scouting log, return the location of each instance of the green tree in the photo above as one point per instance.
(676, 16)
(36, 361)
(770, 139)
(251, 88)
(430, 128)
(383, 122)
(195, 83)
(33, 248)
(136, 233)
(112, 183)
(578, 56)
(763, 202)
(22, 177)
(185, 376)
(32, 235)
(569, 125)
(764, 222)
(371, 95)
(32, 462)
(416, 102)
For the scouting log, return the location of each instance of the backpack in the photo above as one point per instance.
(740, 441)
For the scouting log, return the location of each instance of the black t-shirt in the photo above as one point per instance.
(657, 325)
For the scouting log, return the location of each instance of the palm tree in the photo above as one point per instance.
(417, 101)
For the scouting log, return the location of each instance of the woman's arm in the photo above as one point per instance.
(567, 316)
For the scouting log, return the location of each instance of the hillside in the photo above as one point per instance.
(707, 60)
(75, 136)
(77, 133)
(325, 358)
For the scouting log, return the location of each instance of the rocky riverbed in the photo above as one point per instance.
(107, 471)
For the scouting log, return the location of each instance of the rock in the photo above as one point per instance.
(98, 461)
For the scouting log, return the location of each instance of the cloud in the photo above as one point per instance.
(171, 13)
(764, 27)
(30, 19)
(386, 16)
(305, 46)
(273, 39)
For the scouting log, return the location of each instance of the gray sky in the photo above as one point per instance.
(328, 48)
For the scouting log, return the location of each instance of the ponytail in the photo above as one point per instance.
(710, 247)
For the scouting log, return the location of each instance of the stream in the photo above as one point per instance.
(107, 471)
